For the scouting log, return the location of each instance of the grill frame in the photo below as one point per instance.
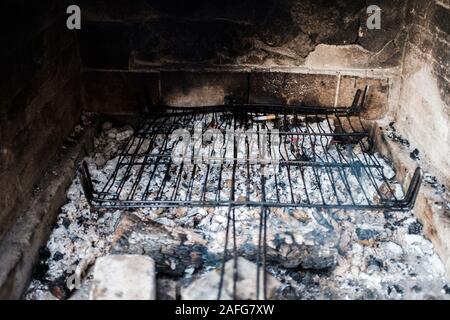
(244, 113)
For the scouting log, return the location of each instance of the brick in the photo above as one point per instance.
(187, 89)
(293, 88)
(206, 287)
(376, 104)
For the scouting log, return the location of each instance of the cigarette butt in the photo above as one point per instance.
(264, 118)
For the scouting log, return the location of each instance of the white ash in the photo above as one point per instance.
(392, 265)
(395, 136)
(374, 254)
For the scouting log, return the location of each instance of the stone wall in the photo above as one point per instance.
(147, 33)
(140, 51)
(423, 114)
(140, 34)
(39, 91)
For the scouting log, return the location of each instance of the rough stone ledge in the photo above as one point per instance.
(431, 208)
(19, 248)
(379, 73)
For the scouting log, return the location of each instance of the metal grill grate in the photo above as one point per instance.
(251, 155)
(305, 157)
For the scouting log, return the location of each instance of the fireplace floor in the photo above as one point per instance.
(315, 254)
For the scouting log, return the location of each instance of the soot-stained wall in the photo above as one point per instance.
(296, 51)
(140, 33)
(423, 114)
(39, 96)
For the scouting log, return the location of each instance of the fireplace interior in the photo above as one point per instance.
(225, 150)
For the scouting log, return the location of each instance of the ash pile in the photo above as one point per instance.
(310, 253)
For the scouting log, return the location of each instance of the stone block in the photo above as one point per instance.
(31, 137)
(293, 88)
(189, 89)
(330, 57)
(124, 277)
(376, 104)
(206, 287)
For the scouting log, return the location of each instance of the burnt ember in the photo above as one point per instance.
(394, 135)
(415, 154)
